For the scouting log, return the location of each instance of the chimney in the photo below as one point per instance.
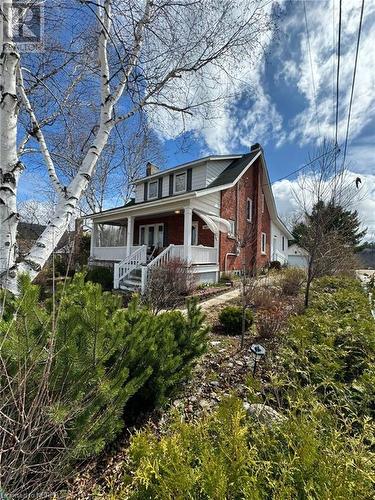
(255, 146)
(151, 169)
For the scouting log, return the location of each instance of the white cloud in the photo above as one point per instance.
(309, 125)
(241, 112)
(287, 193)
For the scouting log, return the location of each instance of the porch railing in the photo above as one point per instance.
(129, 264)
(111, 253)
(280, 257)
(203, 255)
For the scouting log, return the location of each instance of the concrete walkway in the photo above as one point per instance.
(219, 300)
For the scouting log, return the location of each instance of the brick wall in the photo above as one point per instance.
(174, 229)
(233, 206)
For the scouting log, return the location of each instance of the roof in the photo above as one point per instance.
(29, 231)
(233, 170)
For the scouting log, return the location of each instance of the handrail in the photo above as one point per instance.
(129, 264)
(162, 258)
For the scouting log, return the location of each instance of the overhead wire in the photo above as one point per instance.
(338, 78)
(353, 83)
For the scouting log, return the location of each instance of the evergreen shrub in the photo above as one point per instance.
(101, 275)
(224, 455)
(93, 357)
(231, 319)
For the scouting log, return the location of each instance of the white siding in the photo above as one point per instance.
(198, 180)
(209, 203)
(214, 169)
(276, 242)
(139, 193)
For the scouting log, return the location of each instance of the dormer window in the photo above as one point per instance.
(152, 190)
(180, 183)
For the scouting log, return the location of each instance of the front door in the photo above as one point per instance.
(151, 235)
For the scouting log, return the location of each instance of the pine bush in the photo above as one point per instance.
(231, 319)
(70, 370)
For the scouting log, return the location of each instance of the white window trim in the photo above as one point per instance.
(232, 235)
(175, 182)
(263, 252)
(249, 212)
(148, 190)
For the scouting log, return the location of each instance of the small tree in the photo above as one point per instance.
(328, 232)
(168, 284)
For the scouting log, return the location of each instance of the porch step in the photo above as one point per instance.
(131, 284)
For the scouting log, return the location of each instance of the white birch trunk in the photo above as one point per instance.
(10, 167)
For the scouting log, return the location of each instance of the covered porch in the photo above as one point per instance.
(191, 238)
(134, 240)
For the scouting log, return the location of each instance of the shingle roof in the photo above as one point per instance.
(233, 170)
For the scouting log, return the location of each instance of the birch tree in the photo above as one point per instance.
(121, 60)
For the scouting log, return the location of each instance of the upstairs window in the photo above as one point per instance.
(152, 190)
(283, 243)
(180, 182)
(262, 202)
(263, 243)
(249, 210)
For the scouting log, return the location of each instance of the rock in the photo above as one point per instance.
(215, 383)
(263, 413)
(204, 404)
(215, 342)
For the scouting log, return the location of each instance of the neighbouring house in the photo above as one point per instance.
(28, 233)
(366, 258)
(298, 257)
(217, 214)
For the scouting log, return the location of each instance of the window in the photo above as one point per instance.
(283, 243)
(262, 203)
(264, 243)
(249, 210)
(180, 182)
(152, 190)
(232, 231)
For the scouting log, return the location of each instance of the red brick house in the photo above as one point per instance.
(217, 214)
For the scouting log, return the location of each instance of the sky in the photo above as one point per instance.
(286, 102)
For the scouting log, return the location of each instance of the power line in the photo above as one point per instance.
(338, 78)
(311, 68)
(353, 83)
(303, 166)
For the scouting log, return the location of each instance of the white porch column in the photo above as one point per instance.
(93, 238)
(130, 234)
(188, 221)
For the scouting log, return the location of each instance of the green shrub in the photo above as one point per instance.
(291, 281)
(225, 455)
(101, 275)
(331, 347)
(231, 319)
(77, 371)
